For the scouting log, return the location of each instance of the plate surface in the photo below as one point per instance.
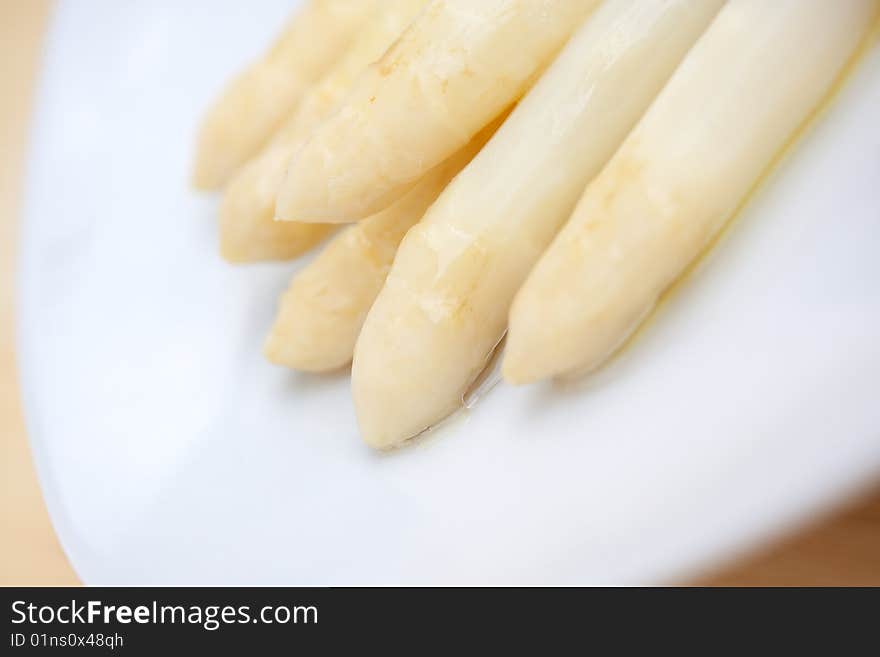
(170, 452)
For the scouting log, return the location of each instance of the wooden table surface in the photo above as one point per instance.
(843, 549)
(29, 551)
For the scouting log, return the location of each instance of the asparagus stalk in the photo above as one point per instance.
(737, 99)
(251, 108)
(248, 231)
(445, 302)
(457, 67)
(324, 308)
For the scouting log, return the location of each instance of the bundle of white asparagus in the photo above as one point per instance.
(546, 168)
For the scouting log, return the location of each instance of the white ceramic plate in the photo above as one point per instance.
(170, 452)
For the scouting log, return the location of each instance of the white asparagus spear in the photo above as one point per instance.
(458, 66)
(323, 310)
(248, 231)
(253, 105)
(739, 96)
(444, 305)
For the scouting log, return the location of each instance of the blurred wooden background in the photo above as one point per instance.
(29, 551)
(841, 550)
